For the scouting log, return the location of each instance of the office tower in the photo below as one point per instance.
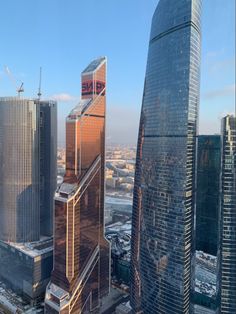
(80, 275)
(48, 164)
(28, 131)
(163, 205)
(208, 193)
(228, 217)
(28, 155)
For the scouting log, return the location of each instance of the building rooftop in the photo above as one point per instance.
(67, 188)
(94, 65)
(206, 274)
(113, 299)
(118, 201)
(17, 99)
(124, 308)
(57, 291)
(79, 109)
(119, 235)
(33, 249)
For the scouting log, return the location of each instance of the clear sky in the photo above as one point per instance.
(63, 36)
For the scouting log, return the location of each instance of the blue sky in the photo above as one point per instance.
(63, 36)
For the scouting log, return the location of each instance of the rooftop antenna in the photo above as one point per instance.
(19, 89)
(40, 79)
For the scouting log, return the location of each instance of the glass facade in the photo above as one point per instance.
(81, 253)
(28, 156)
(26, 268)
(228, 218)
(163, 204)
(48, 165)
(208, 193)
(19, 170)
(28, 141)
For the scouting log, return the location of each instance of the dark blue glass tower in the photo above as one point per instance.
(163, 208)
(208, 193)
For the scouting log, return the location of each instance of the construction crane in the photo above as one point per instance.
(19, 89)
(40, 79)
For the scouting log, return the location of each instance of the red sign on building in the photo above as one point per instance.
(93, 87)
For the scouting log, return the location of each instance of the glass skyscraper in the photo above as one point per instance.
(228, 217)
(28, 148)
(81, 253)
(163, 206)
(208, 193)
(48, 164)
(28, 173)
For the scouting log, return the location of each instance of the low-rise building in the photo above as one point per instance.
(30, 273)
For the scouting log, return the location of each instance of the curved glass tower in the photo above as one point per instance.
(163, 208)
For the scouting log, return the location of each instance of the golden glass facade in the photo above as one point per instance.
(81, 253)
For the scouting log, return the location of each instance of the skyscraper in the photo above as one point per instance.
(208, 193)
(228, 217)
(48, 164)
(28, 141)
(28, 155)
(163, 205)
(81, 253)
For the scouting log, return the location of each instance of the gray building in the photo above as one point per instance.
(228, 217)
(28, 159)
(163, 205)
(28, 144)
(26, 268)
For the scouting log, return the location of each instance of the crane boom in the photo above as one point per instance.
(19, 89)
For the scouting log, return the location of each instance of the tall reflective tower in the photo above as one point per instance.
(28, 173)
(28, 145)
(228, 217)
(81, 253)
(163, 206)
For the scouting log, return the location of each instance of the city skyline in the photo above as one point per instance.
(118, 184)
(58, 38)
